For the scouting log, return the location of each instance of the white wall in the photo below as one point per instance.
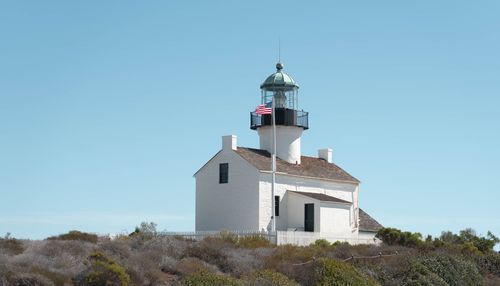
(344, 191)
(287, 142)
(296, 209)
(231, 206)
(335, 218)
(369, 236)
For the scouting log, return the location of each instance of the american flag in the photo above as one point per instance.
(264, 108)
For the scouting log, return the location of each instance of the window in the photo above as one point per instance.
(276, 205)
(223, 173)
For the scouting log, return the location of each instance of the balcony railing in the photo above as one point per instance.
(284, 116)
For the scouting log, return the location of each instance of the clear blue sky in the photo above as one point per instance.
(107, 108)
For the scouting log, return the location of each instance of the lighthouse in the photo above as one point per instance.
(289, 119)
(274, 189)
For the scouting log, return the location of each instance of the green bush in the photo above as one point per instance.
(103, 272)
(453, 270)
(469, 239)
(483, 244)
(489, 263)
(321, 243)
(76, 235)
(394, 236)
(269, 277)
(210, 279)
(417, 275)
(333, 272)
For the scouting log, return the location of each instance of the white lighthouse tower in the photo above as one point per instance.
(290, 121)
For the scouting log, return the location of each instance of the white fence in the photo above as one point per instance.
(199, 235)
(300, 238)
(303, 238)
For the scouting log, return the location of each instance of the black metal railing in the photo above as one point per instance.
(284, 116)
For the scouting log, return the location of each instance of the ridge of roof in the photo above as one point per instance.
(309, 166)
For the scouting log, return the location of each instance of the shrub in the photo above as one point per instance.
(102, 271)
(253, 241)
(10, 245)
(334, 272)
(228, 236)
(470, 239)
(417, 274)
(388, 271)
(322, 243)
(28, 279)
(147, 230)
(210, 253)
(210, 279)
(341, 251)
(290, 254)
(394, 236)
(57, 278)
(243, 261)
(453, 270)
(117, 248)
(76, 235)
(191, 265)
(65, 257)
(269, 277)
(483, 244)
(489, 263)
(289, 259)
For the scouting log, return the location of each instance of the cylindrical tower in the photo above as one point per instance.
(290, 121)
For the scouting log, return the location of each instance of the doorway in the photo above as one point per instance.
(309, 217)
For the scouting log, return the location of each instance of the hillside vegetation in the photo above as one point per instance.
(147, 258)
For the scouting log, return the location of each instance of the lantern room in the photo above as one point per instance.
(284, 90)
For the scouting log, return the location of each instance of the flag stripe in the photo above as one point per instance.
(262, 109)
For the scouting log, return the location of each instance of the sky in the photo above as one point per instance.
(108, 108)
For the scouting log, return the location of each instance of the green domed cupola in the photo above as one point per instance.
(279, 80)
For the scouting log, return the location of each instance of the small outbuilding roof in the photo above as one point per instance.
(367, 223)
(309, 166)
(321, 197)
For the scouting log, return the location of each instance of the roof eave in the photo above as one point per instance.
(315, 178)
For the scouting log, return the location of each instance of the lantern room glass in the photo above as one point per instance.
(286, 97)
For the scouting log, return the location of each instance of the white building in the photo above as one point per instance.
(312, 196)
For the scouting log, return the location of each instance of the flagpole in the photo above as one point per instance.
(273, 156)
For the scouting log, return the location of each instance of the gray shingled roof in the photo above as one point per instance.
(309, 166)
(321, 197)
(367, 223)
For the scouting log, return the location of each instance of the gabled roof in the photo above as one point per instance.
(321, 197)
(194, 175)
(309, 166)
(367, 223)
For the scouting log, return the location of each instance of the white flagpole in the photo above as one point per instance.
(273, 156)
